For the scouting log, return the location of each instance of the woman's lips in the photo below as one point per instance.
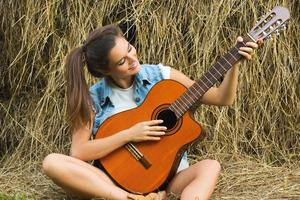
(134, 66)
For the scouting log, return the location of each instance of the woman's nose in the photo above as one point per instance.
(131, 57)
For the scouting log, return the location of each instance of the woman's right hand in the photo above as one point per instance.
(145, 131)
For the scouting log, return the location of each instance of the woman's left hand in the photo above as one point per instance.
(249, 50)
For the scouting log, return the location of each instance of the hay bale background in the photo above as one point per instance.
(256, 139)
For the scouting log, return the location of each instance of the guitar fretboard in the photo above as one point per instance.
(211, 77)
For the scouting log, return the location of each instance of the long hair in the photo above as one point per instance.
(93, 54)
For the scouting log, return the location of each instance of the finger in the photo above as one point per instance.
(153, 122)
(247, 50)
(152, 138)
(158, 128)
(156, 133)
(239, 39)
(252, 44)
(246, 55)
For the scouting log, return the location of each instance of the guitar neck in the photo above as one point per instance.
(211, 77)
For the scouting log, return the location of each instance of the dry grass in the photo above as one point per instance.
(256, 139)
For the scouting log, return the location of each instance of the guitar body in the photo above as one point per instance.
(163, 155)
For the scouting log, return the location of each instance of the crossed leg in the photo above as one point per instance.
(80, 178)
(84, 180)
(196, 182)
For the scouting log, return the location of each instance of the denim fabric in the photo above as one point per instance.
(100, 92)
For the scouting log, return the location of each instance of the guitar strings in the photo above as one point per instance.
(180, 103)
(133, 150)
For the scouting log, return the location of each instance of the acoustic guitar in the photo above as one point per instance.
(148, 166)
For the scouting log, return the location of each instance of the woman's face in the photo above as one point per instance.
(123, 61)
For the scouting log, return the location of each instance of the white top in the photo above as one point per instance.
(123, 99)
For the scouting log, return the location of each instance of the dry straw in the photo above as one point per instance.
(256, 139)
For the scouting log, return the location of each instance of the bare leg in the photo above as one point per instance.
(196, 182)
(80, 178)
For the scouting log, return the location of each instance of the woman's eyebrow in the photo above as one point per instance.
(123, 57)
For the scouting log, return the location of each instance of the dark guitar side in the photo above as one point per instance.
(163, 155)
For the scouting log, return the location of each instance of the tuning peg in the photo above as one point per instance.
(269, 37)
(264, 33)
(278, 22)
(277, 32)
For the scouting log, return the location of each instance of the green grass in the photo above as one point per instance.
(14, 197)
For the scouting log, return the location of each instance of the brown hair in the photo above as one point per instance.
(93, 54)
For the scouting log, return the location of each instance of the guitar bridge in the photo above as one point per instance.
(138, 155)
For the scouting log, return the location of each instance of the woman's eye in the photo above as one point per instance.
(122, 62)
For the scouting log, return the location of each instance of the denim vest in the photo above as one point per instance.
(100, 92)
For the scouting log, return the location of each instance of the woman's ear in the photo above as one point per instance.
(106, 72)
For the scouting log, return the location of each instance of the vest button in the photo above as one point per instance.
(102, 101)
(137, 99)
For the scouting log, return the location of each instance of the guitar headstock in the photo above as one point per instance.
(273, 22)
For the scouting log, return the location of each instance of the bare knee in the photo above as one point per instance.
(51, 163)
(212, 166)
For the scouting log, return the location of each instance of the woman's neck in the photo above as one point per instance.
(123, 83)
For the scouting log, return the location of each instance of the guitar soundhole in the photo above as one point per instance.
(169, 118)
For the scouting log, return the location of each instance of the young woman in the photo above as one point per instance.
(124, 85)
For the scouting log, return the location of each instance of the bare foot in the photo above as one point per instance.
(151, 196)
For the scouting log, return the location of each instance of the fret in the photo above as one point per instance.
(236, 48)
(193, 93)
(198, 92)
(182, 96)
(182, 104)
(225, 70)
(206, 87)
(208, 80)
(198, 85)
(178, 107)
(212, 75)
(233, 56)
(187, 94)
(217, 70)
(175, 110)
(226, 61)
(177, 113)
(184, 101)
(229, 58)
(244, 43)
(203, 90)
